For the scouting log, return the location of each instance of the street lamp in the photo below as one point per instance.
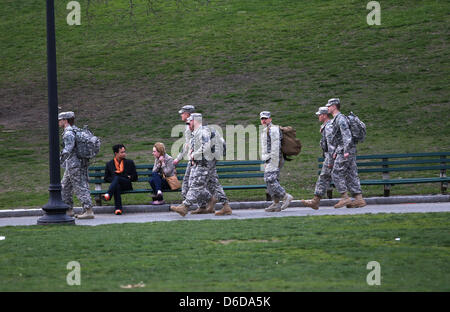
(55, 210)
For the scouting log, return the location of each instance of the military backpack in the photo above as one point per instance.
(290, 145)
(357, 127)
(87, 145)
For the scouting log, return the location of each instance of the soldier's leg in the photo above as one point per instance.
(218, 193)
(275, 190)
(81, 188)
(352, 178)
(198, 192)
(214, 186)
(354, 185)
(323, 181)
(208, 207)
(322, 184)
(339, 173)
(185, 183)
(66, 189)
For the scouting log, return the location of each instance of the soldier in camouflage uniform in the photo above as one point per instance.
(323, 182)
(345, 171)
(75, 179)
(271, 137)
(185, 112)
(198, 192)
(212, 153)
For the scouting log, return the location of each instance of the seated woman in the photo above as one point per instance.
(162, 169)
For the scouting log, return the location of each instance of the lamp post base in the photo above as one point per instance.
(60, 218)
(55, 210)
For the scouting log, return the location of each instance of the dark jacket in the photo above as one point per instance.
(128, 170)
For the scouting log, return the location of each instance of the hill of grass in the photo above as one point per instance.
(130, 65)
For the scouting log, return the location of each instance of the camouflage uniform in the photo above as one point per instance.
(198, 192)
(75, 179)
(214, 186)
(323, 182)
(186, 146)
(345, 171)
(271, 153)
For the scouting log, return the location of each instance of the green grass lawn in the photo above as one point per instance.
(315, 253)
(126, 71)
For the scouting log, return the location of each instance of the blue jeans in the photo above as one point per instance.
(116, 187)
(158, 183)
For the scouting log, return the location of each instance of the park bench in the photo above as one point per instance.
(433, 166)
(237, 170)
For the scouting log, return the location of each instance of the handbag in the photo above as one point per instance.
(173, 182)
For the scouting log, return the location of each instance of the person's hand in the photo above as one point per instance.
(334, 156)
(346, 155)
(175, 162)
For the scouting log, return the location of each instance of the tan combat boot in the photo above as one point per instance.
(226, 210)
(275, 207)
(312, 203)
(345, 200)
(181, 209)
(211, 207)
(358, 202)
(286, 201)
(200, 210)
(88, 214)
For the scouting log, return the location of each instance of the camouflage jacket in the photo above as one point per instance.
(271, 147)
(342, 136)
(326, 141)
(68, 156)
(186, 146)
(201, 144)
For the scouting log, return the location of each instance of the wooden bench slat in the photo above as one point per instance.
(225, 187)
(381, 156)
(401, 162)
(404, 181)
(402, 169)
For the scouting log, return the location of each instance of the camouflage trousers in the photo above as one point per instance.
(76, 181)
(345, 174)
(198, 192)
(185, 184)
(214, 186)
(324, 179)
(272, 179)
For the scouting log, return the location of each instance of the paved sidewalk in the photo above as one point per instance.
(242, 214)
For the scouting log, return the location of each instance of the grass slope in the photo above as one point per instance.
(128, 68)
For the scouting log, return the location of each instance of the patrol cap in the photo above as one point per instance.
(66, 115)
(333, 101)
(322, 110)
(264, 114)
(187, 109)
(194, 116)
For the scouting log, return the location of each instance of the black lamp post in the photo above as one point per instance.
(55, 210)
